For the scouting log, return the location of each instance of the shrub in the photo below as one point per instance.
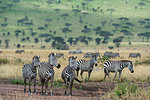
(4, 61)
(103, 59)
(17, 82)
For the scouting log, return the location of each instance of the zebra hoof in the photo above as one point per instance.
(46, 94)
(51, 94)
(41, 93)
(35, 92)
(29, 92)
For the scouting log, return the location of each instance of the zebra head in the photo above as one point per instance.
(72, 62)
(130, 66)
(53, 60)
(36, 61)
(94, 60)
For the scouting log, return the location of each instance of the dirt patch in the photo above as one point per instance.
(88, 90)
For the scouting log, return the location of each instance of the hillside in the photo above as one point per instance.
(39, 23)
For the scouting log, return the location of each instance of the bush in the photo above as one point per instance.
(103, 59)
(4, 61)
(17, 82)
(57, 84)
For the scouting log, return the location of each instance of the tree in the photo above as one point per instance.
(141, 4)
(70, 40)
(6, 43)
(48, 20)
(116, 26)
(98, 40)
(36, 40)
(97, 29)
(18, 45)
(147, 35)
(111, 11)
(76, 11)
(0, 42)
(106, 36)
(117, 41)
(141, 23)
(123, 19)
(127, 33)
(65, 31)
(103, 23)
(147, 27)
(84, 14)
(64, 16)
(68, 24)
(86, 30)
(141, 35)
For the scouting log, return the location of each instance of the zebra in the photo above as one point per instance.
(89, 55)
(117, 66)
(68, 74)
(134, 55)
(113, 55)
(29, 72)
(86, 66)
(46, 72)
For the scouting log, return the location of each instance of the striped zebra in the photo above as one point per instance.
(117, 66)
(46, 72)
(86, 66)
(134, 55)
(68, 74)
(29, 72)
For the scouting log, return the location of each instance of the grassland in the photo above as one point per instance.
(38, 10)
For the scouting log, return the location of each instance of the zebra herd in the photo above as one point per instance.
(46, 71)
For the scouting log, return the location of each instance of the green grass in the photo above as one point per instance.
(38, 16)
(4, 61)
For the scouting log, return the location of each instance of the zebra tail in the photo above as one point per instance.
(77, 80)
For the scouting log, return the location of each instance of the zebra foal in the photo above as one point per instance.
(117, 66)
(46, 72)
(86, 66)
(68, 74)
(29, 72)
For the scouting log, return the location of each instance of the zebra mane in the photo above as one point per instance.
(51, 54)
(72, 57)
(36, 57)
(126, 61)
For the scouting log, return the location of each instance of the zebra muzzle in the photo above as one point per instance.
(58, 66)
(132, 71)
(96, 64)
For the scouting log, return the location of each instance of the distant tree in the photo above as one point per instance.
(141, 4)
(83, 5)
(141, 35)
(111, 11)
(16, 1)
(147, 27)
(65, 31)
(64, 16)
(18, 45)
(86, 30)
(130, 24)
(70, 40)
(117, 41)
(28, 38)
(116, 26)
(47, 40)
(75, 11)
(36, 40)
(97, 30)
(147, 35)
(48, 20)
(106, 35)
(33, 33)
(128, 34)
(0, 42)
(110, 47)
(123, 19)
(23, 33)
(8, 33)
(103, 23)
(141, 23)
(6, 43)
(17, 34)
(98, 40)
(84, 14)
(23, 39)
(54, 32)
(68, 24)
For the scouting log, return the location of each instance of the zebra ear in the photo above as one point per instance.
(75, 57)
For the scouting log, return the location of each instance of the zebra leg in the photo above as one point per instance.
(81, 74)
(25, 84)
(119, 75)
(77, 73)
(51, 94)
(115, 75)
(42, 83)
(46, 86)
(66, 87)
(30, 85)
(89, 73)
(34, 81)
(70, 86)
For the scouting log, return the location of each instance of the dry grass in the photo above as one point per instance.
(14, 70)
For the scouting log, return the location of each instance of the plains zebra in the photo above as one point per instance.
(86, 65)
(46, 72)
(89, 55)
(134, 55)
(29, 72)
(68, 74)
(113, 55)
(117, 66)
